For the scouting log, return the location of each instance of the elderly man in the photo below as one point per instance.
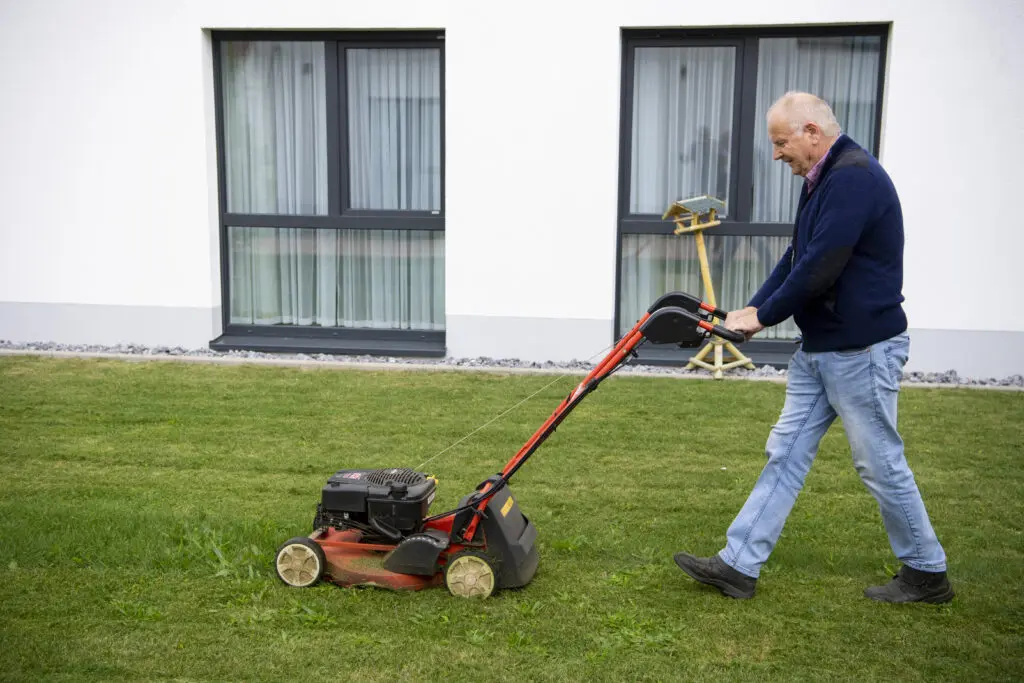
(841, 280)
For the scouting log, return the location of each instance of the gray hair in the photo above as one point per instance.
(799, 108)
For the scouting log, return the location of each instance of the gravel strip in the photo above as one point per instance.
(766, 372)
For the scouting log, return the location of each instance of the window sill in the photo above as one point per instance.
(311, 345)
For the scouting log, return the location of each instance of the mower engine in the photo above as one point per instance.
(385, 504)
(372, 528)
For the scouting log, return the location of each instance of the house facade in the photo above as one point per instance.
(471, 179)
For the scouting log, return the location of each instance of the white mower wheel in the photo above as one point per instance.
(300, 562)
(470, 574)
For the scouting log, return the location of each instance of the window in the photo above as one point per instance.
(331, 159)
(693, 123)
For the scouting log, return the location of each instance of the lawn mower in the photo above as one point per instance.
(372, 527)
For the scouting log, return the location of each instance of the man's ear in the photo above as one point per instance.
(812, 129)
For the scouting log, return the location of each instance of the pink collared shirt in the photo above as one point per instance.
(815, 172)
(814, 175)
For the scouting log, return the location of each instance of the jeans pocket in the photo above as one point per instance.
(845, 353)
(897, 352)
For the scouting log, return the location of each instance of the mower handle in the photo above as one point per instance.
(676, 317)
(688, 302)
(723, 332)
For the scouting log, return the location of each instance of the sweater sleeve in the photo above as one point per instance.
(846, 209)
(777, 277)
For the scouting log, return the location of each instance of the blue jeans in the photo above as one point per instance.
(862, 388)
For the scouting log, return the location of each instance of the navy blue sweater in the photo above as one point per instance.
(842, 277)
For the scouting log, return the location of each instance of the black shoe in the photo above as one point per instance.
(913, 585)
(714, 572)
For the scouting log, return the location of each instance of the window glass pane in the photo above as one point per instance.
(380, 279)
(394, 128)
(682, 125)
(653, 265)
(275, 127)
(842, 71)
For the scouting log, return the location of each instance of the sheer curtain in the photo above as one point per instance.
(681, 147)
(394, 125)
(276, 151)
(275, 127)
(379, 279)
(842, 71)
(739, 266)
(652, 265)
(682, 125)
(655, 264)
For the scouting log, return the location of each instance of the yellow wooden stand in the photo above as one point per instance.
(702, 214)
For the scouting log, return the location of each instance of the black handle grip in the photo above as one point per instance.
(724, 333)
(716, 312)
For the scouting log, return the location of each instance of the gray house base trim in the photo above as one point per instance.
(187, 327)
(528, 339)
(976, 354)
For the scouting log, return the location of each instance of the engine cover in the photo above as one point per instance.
(394, 498)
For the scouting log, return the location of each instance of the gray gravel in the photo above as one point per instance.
(947, 378)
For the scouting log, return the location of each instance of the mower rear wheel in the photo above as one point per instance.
(300, 562)
(470, 574)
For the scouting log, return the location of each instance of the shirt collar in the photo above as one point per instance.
(814, 175)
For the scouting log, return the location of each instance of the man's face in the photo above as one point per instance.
(799, 148)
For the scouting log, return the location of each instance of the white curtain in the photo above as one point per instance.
(844, 72)
(682, 125)
(394, 125)
(380, 279)
(275, 144)
(739, 266)
(275, 127)
(655, 264)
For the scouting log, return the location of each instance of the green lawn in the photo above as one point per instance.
(141, 505)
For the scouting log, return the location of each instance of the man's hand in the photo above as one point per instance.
(744, 321)
(733, 316)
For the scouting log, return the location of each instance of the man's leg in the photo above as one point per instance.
(791, 448)
(864, 388)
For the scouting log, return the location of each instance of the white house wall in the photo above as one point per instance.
(109, 231)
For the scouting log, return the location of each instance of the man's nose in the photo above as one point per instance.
(777, 154)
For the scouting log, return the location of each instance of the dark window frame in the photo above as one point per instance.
(741, 186)
(339, 216)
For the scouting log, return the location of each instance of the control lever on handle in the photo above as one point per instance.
(724, 333)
